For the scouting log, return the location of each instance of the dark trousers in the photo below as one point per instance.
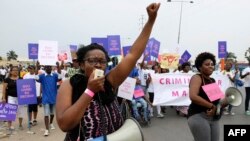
(247, 98)
(151, 97)
(1, 77)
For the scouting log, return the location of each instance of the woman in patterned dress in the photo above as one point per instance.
(86, 107)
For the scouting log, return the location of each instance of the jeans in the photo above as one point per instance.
(135, 108)
(49, 109)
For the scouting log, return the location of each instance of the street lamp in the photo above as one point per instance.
(179, 31)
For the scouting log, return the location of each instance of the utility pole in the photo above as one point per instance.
(179, 31)
(141, 22)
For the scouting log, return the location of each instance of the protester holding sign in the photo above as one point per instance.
(10, 96)
(202, 119)
(182, 110)
(33, 108)
(163, 70)
(139, 97)
(155, 70)
(86, 107)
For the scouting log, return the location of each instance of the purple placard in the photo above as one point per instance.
(155, 48)
(126, 50)
(101, 41)
(222, 49)
(181, 61)
(147, 52)
(73, 48)
(26, 91)
(8, 111)
(33, 50)
(114, 45)
(185, 57)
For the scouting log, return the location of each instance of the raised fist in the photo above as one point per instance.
(152, 10)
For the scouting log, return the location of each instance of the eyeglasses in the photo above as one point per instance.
(94, 61)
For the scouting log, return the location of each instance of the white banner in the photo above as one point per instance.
(47, 52)
(126, 89)
(173, 89)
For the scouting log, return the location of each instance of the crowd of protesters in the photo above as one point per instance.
(46, 97)
(47, 82)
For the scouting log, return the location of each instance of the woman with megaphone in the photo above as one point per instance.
(86, 105)
(202, 118)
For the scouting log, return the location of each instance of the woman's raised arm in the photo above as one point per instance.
(122, 70)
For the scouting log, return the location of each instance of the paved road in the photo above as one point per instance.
(170, 128)
(175, 128)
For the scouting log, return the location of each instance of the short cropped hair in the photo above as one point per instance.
(31, 67)
(185, 64)
(202, 57)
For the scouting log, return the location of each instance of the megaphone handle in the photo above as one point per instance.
(218, 109)
(101, 138)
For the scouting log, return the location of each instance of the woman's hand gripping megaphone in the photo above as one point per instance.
(232, 96)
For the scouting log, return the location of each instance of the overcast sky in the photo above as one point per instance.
(204, 23)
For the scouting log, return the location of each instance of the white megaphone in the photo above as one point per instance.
(129, 131)
(232, 96)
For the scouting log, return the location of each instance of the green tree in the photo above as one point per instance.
(247, 55)
(231, 57)
(11, 55)
(1, 58)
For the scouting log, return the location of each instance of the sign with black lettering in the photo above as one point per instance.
(236, 132)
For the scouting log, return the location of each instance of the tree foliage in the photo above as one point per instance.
(11, 55)
(247, 55)
(231, 57)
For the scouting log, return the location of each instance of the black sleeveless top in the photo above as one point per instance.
(195, 108)
(102, 117)
(11, 89)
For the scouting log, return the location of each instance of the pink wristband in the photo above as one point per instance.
(89, 92)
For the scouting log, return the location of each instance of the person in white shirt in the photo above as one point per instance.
(3, 72)
(246, 75)
(143, 74)
(229, 73)
(64, 72)
(155, 69)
